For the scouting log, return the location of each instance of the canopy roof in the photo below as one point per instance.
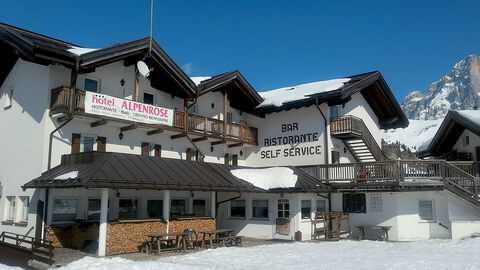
(452, 127)
(127, 171)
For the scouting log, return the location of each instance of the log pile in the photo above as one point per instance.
(73, 236)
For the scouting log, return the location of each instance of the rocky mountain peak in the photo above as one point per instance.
(459, 90)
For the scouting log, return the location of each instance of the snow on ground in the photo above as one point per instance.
(280, 96)
(79, 50)
(198, 80)
(267, 178)
(431, 254)
(418, 134)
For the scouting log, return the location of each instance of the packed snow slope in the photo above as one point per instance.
(459, 90)
(417, 135)
(432, 254)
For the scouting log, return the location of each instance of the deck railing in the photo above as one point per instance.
(39, 249)
(351, 126)
(471, 167)
(397, 172)
(196, 124)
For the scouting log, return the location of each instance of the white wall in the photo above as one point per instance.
(474, 141)
(359, 107)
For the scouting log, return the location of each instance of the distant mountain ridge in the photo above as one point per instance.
(459, 90)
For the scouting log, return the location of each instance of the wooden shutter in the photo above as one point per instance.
(75, 143)
(145, 149)
(235, 160)
(158, 150)
(227, 159)
(101, 144)
(189, 153)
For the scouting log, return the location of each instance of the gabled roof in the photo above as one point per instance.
(373, 88)
(127, 171)
(452, 127)
(241, 94)
(44, 50)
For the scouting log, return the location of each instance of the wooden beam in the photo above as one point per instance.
(200, 139)
(156, 131)
(181, 135)
(235, 145)
(98, 123)
(130, 127)
(219, 142)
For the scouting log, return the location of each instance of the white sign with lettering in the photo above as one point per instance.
(105, 105)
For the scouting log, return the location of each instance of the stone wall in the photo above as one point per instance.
(127, 237)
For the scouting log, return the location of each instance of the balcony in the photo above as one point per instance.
(358, 139)
(183, 123)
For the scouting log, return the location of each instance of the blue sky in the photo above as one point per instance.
(275, 43)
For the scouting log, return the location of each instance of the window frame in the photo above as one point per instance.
(230, 117)
(331, 109)
(97, 80)
(337, 156)
(324, 205)
(25, 209)
(65, 198)
(179, 199)
(432, 201)
(138, 211)
(153, 98)
(283, 203)
(9, 214)
(302, 213)
(161, 208)
(204, 210)
(355, 209)
(94, 145)
(253, 209)
(244, 209)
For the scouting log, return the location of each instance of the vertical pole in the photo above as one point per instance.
(213, 204)
(166, 207)
(102, 231)
(225, 115)
(135, 89)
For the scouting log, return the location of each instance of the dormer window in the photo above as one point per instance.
(91, 85)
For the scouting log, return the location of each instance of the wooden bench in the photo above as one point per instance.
(232, 240)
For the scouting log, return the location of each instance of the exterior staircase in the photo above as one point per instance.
(357, 138)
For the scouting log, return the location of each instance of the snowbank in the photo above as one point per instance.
(267, 178)
(432, 254)
(79, 50)
(417, 135)
(280, 96)
(198, 80)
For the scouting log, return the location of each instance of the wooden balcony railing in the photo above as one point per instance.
(196, 124)
(350, 126)
(471, 167)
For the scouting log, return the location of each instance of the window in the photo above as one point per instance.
(64, 209)
(260, 208)
(178, 208)
(306, 209)
(237, 208)
(320, 204)
(93, 212)
(11, 208)
(25, 206)
(466, 141)
(425, 209)
(155, 208)
(91, 85)
(199, 208)
(145, 149)
(148, 98)
(192, 109)
(334, 112)
(283, 206)
(193, 155)
(354, 203)
(234, 160)
(86, 143)
(335, 157)
(229, 117)
(128, 208)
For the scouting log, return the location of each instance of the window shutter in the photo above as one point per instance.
(189, 153)
(145, 149)
(235, 160)
(75, 143)
(158, 150)
(101, 144)
(227, 159)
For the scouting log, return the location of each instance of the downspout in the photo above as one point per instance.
(325, 138)
(186, 131)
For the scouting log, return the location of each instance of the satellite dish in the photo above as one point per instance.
(143, 69)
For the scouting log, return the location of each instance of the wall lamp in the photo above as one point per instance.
(120, 135)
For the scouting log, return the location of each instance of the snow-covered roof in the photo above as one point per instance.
(278, 97)
(66, 176)
(268, 178)
(198, 80)
(472, 115)
(80, 50)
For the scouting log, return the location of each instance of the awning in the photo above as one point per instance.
(127, 171)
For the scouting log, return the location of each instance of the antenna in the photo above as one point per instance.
(151, 26)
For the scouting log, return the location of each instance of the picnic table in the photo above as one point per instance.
(172, 243)
(384, 230)
(221, 237)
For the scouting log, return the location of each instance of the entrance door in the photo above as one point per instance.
(38, 223)
(282, 227)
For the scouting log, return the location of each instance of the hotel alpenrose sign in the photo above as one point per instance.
(105, 105)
